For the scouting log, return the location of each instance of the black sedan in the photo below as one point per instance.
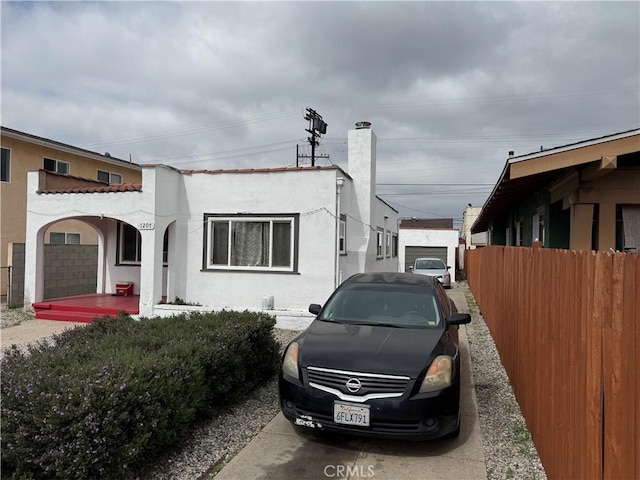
(381, 359)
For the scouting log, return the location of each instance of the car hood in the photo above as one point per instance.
(369, 348)
(432, 272)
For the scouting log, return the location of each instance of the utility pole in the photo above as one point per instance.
(317, 127)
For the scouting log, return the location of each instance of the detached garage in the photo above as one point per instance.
(434, 238)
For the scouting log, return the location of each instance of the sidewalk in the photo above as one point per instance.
(32, 330)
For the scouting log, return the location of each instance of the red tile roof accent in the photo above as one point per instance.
(122, 187)
(267, 170)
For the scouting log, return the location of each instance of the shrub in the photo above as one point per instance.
(98, 401)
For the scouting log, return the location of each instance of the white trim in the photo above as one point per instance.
(587, 143)
(249, 219)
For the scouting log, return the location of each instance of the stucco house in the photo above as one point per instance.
(226, 238)
(22, 152)
(428, 237)
(468, 240)
(583, 196)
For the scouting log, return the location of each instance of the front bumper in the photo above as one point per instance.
(424, 416)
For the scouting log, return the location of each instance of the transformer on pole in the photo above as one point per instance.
(317, 127)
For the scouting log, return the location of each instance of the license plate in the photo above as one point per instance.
(350, 414)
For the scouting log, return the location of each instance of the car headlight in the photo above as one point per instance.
(439, 374)
(290, 362)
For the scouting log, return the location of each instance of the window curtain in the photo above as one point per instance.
(631, 226)
(250, 246)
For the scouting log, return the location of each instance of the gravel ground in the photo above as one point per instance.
(509, 451)
(215, 442)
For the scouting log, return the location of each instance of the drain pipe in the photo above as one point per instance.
(339, 185)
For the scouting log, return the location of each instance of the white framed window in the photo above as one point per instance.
(380, 243)
(109, 177)
(57, 166)
(64, 238)
(394, 248)
(251, 242)
(5, 168)
(538, 226)
(130, 244)
(388, 244)
(519, 233)
(343, 234)
(129, 248)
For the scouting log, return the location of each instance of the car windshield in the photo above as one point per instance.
(430, 264)
(389, 305)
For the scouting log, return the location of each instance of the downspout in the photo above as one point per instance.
(339, 185)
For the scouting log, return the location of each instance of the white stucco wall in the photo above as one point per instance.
(430, 238)
(309, 194)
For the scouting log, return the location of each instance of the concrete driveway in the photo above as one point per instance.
(282, 452)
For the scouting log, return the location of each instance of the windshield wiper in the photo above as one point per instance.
(377, 324)
(332, 320)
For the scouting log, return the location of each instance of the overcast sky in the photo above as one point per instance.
(449, 87)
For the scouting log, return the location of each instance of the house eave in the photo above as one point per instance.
(63, 147)
(523, 175)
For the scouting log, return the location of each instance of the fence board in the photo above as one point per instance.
(567, 327)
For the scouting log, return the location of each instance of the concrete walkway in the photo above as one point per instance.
(32, 330)
(282, 452)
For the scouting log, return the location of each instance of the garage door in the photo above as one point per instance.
(411, 253)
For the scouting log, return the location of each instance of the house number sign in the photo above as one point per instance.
(146, 225)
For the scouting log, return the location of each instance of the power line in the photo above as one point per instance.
(438, 184)
(192, 131)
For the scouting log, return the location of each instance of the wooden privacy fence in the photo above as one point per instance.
(567, 327)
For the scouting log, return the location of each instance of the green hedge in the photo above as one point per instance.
(101, 400)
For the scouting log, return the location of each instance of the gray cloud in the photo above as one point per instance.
(449, 86)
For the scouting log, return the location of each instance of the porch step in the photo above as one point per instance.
(70, 309)
(77, 308)
(67, 316)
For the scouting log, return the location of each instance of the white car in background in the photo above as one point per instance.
(433, 267)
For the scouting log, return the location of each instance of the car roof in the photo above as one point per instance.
(395, 278)
(429, 258)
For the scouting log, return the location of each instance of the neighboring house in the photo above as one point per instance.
(227, 238)
(472, 240)
(583, 196)
(468, 240)
(22, 152)
(427, 237)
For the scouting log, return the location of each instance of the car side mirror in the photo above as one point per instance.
(448, 267)
(459, 319)
(315, 308)
(410, 267)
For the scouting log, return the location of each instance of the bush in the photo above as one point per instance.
(99, 401)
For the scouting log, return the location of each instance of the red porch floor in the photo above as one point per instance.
(84, 308)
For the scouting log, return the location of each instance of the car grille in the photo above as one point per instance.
(371, 385)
